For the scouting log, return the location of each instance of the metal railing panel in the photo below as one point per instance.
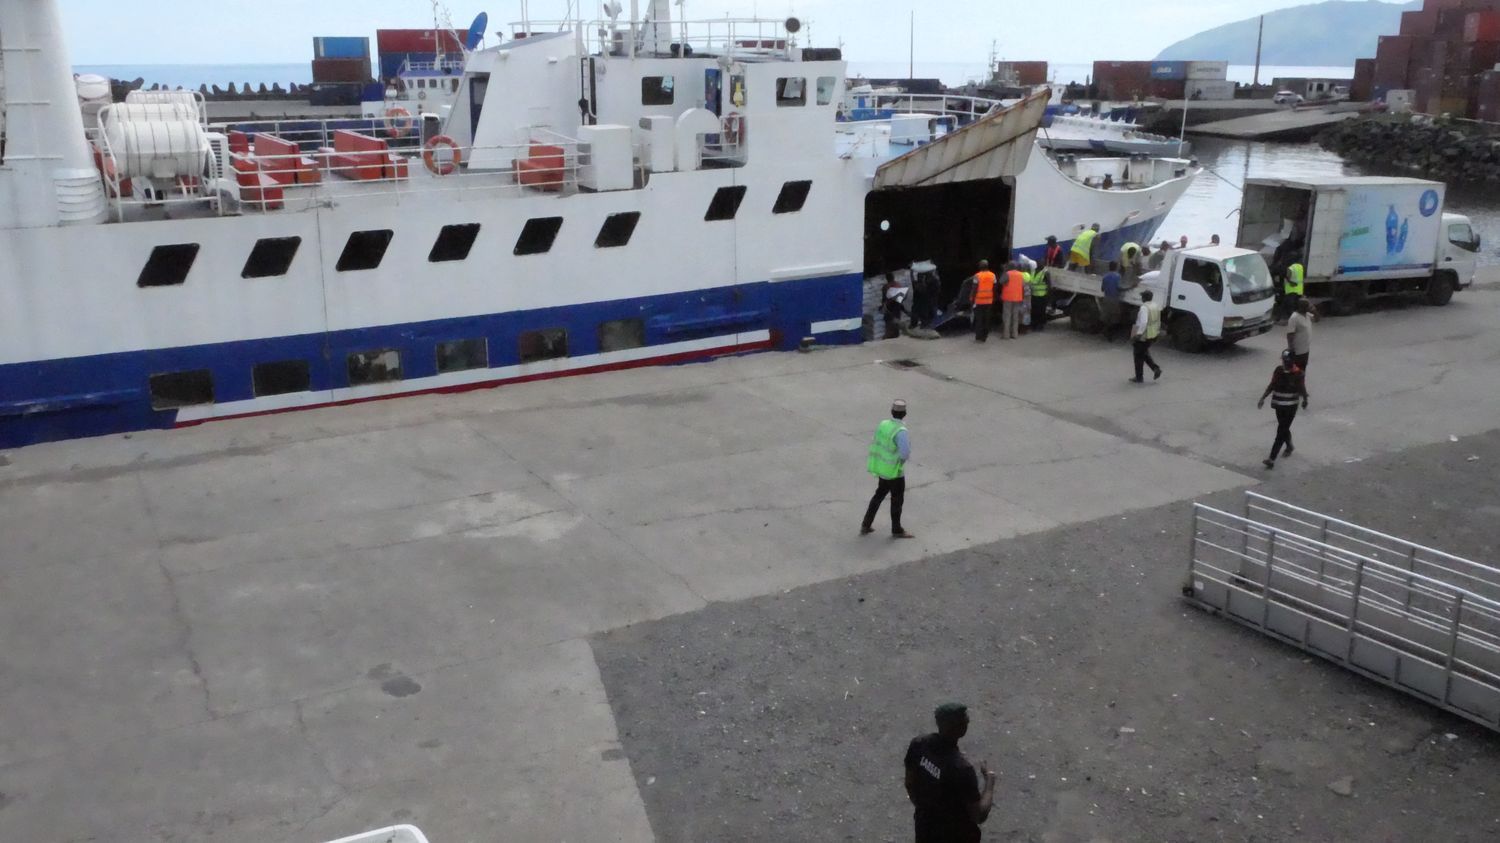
(1417, 627)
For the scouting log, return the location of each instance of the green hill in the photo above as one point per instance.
(1331, 34)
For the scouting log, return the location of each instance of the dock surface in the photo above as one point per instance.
(1285, 124)
(484, 613)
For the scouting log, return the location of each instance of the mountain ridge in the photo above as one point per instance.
(1298, 36)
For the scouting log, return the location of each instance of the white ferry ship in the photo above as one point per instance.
(606, 195)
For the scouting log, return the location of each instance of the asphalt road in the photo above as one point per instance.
(1111, 709)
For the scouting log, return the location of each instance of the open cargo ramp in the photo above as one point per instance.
(996, 145)
(1419, 620)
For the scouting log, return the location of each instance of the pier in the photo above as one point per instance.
(1284, 124)
(633, 606)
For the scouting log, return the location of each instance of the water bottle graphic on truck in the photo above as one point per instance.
(1395, 239)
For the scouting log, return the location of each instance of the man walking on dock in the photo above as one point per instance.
(888, 456)
(1288, 386)
(1144, 333)
(984, 301)
(949, 805)
(1299, 334)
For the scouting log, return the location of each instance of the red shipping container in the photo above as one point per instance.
(1170, 89)
(1362, 88)
(1030, 72)
(340, 70)
(417, 40)
(1418, 24)
(1450, 24)
(1482, 26)
(1472, 59)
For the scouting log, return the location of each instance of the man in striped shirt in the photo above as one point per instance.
(1287, 388)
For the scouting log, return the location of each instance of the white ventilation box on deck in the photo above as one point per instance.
(606, 161)
(659, 137)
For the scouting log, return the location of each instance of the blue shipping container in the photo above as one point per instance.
(341, 47)
(1169, 70)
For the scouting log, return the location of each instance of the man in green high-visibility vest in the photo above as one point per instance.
(888, 455)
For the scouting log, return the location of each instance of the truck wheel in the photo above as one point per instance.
(1084, 314)
(1440, 289)
(1347, 298)
(1186, 334)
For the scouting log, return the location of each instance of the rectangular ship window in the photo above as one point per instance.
(366, 367)
(546, 344)
(826, 86)
(168, 266)
(792, 197)
(725, 204)
(791, 90)
(617, 229)
(272, 256)
(281, 378)
(537, 236)
(364, 250)
(454, 242)
(622, 334)
(182, 389)
(461, 355)
(657, 90)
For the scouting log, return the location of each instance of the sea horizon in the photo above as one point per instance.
(951, 73)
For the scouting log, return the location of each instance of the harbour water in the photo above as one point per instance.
(1211, 203)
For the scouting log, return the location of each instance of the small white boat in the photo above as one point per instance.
(1101, 135)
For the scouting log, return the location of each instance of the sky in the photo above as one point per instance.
(281, 31)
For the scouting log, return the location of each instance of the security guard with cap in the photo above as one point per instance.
(949, 804)
(887, 461)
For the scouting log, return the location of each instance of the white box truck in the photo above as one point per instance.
(1359, 237)
(1211, 294)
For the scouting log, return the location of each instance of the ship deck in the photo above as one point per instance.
(480, 613)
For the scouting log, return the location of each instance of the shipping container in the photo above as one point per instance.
(334, 94)
(1207, 70)
(340, 70)
(1122, 80)
(1362, 89)
(1418, 24)
(1211, 90)
(341, 47)
(1482, 26)
(417, 40)
(1169, 70)
(1030, 72)
(1472, 59)
(1167, 89)
(1450, 25)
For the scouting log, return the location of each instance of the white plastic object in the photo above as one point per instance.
(393, 834)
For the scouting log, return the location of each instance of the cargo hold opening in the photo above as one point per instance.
(953, 225)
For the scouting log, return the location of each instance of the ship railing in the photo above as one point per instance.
(450, 66)
(318, 174)
(748, 37)
(881, 106)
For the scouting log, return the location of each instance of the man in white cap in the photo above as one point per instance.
(888, 455)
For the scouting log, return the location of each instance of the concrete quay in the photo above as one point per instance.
(300, 627)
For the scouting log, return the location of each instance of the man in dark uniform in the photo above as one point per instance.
(940, 781)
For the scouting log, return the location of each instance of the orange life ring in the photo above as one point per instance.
(442, 168)
(734, 128)
(398, 122)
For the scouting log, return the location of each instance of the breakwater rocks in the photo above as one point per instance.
(1439, 148)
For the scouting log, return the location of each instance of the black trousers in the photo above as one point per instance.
(897, 490)
(1301, 360)
(1143, 358)
(1038, 313)
(1284, 417)
(983, 314)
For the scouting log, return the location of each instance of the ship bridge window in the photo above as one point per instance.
(792, 197)
(791, 90)
(826, 86)
(537, 236)
(658, 90)
(546, 344)
(181, 389)
(622, 335)
(726, 203)
(281, 377)
(462, 355)
(168, 266)
(367, 367)
(617, 229)
(454, 242)
(364, 250)
(272, 256)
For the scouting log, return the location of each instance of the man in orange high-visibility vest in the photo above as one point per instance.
(1011, 297)
(984, 301)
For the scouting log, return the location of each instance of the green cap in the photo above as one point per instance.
(950, 711)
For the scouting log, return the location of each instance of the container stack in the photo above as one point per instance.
(1441, 54)
(418, 46)
(1024, 72)
(341, 60)
(1122, 80)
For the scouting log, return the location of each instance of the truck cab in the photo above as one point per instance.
(1459, 248)
(1213, 293)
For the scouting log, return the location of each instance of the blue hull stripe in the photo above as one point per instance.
(109, 393)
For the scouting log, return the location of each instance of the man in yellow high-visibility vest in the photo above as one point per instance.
(1083, 248)
(887, 461)
(1147, 328)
